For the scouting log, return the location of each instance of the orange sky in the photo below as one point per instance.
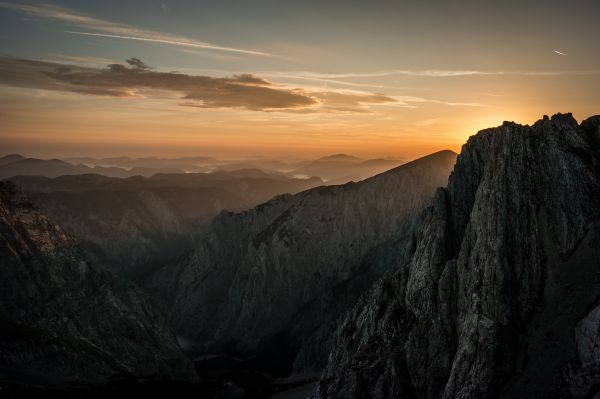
(399, 90)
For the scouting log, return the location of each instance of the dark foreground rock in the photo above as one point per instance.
(501, 296)
(61, 321)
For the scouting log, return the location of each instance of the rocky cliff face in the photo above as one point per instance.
(61, 320)
(500, 296)
(272, 280)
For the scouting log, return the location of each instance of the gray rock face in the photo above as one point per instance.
(63, 321)
(274, 279)
(499, 296)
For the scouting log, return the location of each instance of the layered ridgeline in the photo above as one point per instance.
(64, 322)
(501, 296)
(131, 225)
(17, 165)
(271, 281)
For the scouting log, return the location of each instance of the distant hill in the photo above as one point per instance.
(16, 165)
(182, 164)
(342, 168)
(332, 169)
(11, 158)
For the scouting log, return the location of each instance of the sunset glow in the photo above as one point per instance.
(283, 79)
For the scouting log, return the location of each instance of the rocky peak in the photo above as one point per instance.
(496, 293)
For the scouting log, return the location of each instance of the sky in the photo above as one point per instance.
(286, 79)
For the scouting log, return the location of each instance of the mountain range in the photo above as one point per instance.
(275, 277)
(334, 169)
(130, 225)
(469, 276)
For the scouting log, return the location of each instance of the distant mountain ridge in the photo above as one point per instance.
(132, 225)
(342, 168)
(11, 158)
(17, 166)
(334, 169)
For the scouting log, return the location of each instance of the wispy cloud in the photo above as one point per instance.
(411, 100)
(435, 73)
(211, 54)
(293, 76)
(169, 41)
(427, 122)
(79, 59)
(114, 30)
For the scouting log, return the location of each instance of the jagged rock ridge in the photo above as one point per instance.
(63, 321)
(500, 296)
(272, 280)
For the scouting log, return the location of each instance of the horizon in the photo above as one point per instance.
(275, 80)
(282, 158)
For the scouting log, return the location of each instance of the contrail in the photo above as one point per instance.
(172, 42)
(559, 53)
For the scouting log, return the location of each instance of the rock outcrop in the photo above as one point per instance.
(500, 296)
(272, 281)
(62, 321)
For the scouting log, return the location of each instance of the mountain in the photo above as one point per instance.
(342, 168)
(10, 159)
(499, 295)
(132, 225)
(271, 281)
(32, 166)
(176, 165)
(334, 169)
(15, 166)
(266, 165)
(64, 322)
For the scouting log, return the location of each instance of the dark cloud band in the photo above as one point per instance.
(245, 91)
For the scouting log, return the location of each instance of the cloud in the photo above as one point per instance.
(115, 30)
(137, 79)
(427, 122)
(117, 80)
(435, 73)
(78, 59)
(351, 101)
(292, 76)
(137, 63)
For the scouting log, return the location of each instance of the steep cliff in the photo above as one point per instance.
(501, 295)
(62, 321)
(271, 281)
